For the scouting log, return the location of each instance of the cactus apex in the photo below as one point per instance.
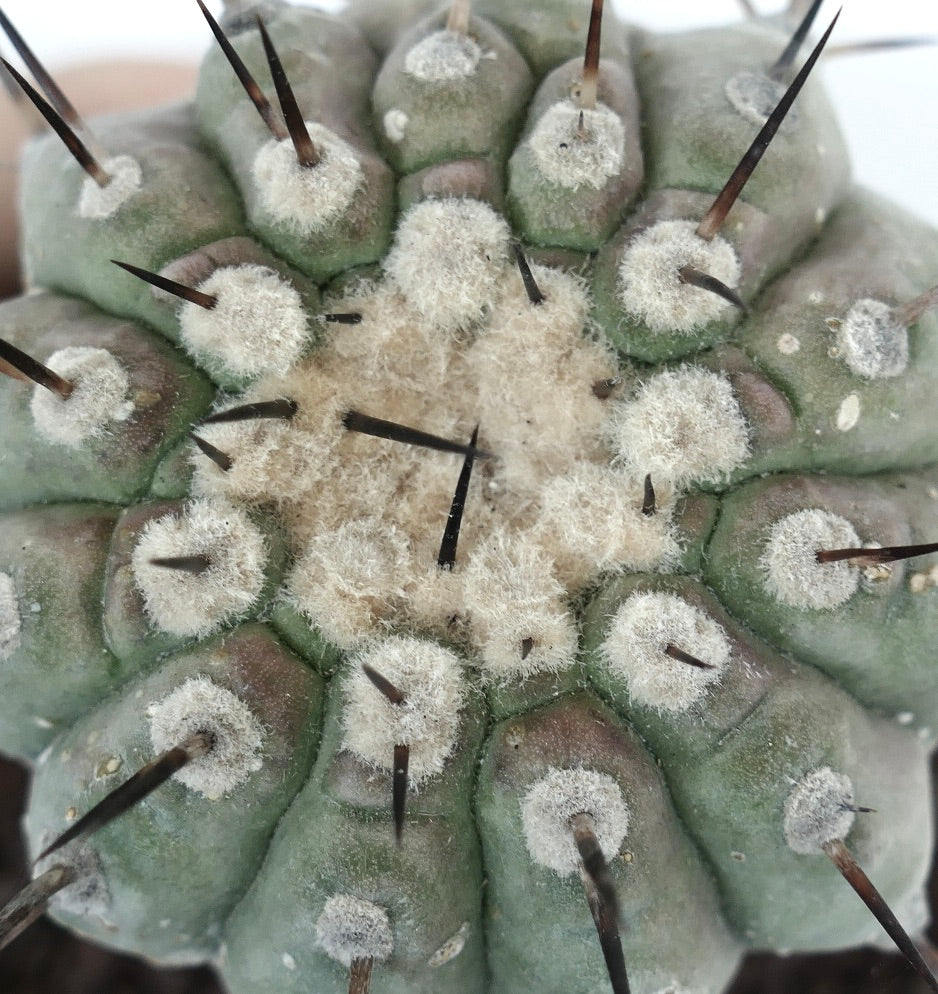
(469, 522)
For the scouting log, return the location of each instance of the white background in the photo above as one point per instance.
(888, 102)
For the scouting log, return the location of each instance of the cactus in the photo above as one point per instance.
(480, 535)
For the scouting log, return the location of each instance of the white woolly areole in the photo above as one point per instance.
(88, 894)
(550, 803)
(98, 202)
(307, 198)
(792, 573)
(442, 57)
(591, 519)
(9, 617)
(683, 425)
(101, 386)
(349, 577)
(634, 649)
(517, 609)
(258, 324)
(351, 928)
(447, 258)
(871, 342)
(260, 450)
(430, 679)
(199, 705)
(754, 96)
(196, 604)
(571, 159)
(818, 810)
(650, 289)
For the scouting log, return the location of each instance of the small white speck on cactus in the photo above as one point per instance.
(395, 124)
(683, 425)
(635, 649)
(453, 946)
(99, 202)
(257, 326)
(201, 706)
(550, 803)
(789, 560)
(10, 622)
(186, 603)
(306, 200)
(447, 258)
(819, 809)
(651, 290)
(427, 720)
(99, 396)
(871, 341)
(848, 412)
(443, 57)
(755, 96)
(351, 928)
(572, 155)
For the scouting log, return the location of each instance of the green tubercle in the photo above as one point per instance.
(261, 705)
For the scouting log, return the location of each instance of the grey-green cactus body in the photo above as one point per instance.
(678, 666)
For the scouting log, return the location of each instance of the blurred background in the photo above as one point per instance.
(888, 104)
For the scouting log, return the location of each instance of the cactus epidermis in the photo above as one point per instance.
(440, 487)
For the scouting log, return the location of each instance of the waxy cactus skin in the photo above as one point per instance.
(605, 710)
